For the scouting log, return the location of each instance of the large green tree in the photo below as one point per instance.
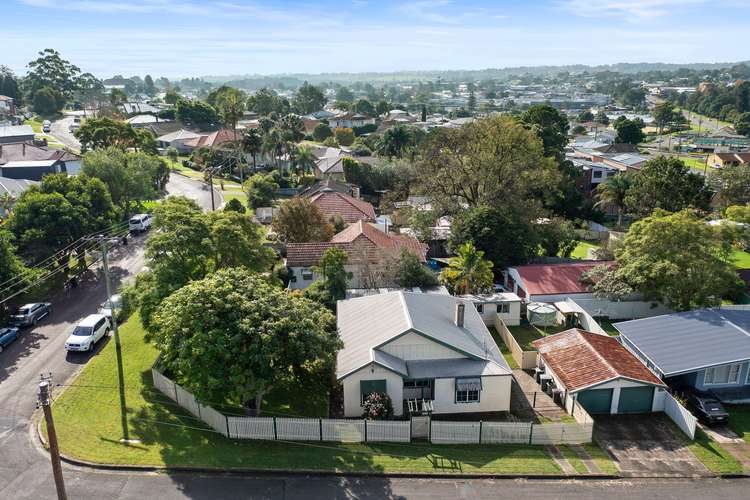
(410, 272)
(732, 184)
(309, 99)
(668, 184)
(612, 193)
(230, 104)
(107, 132)
(551, 126)
(332, 287)
(300, 221)
(261, 190)
(629, 131)
(52, 71)
(232, 337)
(14, 275)
(678, 259)
(195, 112)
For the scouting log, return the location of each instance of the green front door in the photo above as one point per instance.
(596, 400)
(635, 399)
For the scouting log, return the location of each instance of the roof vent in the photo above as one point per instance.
(460, 311)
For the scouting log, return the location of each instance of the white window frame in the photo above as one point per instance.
(730, 367)
(503, 308)
(480, 308)
(307, 275)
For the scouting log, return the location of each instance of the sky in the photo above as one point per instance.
(177, 38)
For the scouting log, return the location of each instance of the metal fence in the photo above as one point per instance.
(283, 428)
(443, 432)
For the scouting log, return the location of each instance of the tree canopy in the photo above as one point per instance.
(107, 132)
(232, 337)
(300, 221)
(309, 99)
(468, 272)
(732, 184)
(261, 190)
(195, 112)
(629, 131)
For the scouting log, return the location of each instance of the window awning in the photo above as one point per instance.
(469, 384)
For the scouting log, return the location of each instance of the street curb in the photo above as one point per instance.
(316, 473)
(217, 191)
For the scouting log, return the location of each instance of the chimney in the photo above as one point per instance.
(460, 310)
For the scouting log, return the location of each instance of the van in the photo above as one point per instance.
(140, 223)
(88, 332)
(46, 126)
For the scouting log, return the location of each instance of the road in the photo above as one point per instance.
(60, 130)
(41, 350)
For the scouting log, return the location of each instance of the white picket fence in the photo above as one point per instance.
(282, 428)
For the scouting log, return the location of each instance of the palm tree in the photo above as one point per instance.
(468, 272)
(305, 159)
(394, 141)
(252, 143)
(273, 145)
(612, 193)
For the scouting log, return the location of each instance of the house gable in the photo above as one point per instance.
(412, 346)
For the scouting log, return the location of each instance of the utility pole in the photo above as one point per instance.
(211, 188)
(104, 242)
(54, 451)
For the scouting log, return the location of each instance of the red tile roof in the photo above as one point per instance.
(333, 203)
(552, 279)
(212, 139)
(358, 240)
(581, 359)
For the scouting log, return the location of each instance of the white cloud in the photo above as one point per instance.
(632, 9)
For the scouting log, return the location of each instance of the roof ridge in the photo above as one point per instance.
(596, 351)
(402, 299)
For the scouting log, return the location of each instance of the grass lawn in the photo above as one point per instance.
(526, 334)
(741, 259)
(503, 349)
(601, 459)
(581, 250)
(169, 436)
(694, 163)
(572, 457)
(713, 456)
(739, 421)
(607, 327)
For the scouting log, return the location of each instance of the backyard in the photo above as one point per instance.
(581, 250)
(168, 436)
(525, 334)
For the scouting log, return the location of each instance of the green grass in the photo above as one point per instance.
(694, 163)
(739, 421)
(601, 459)
(607, 327)
(572, 457)
(581, 250)
(503, 349)
(170, 437)
(526, 334)
(713, 456)
(741, 259)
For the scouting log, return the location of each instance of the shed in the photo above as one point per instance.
(31, 170)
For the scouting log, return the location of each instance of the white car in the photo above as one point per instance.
(109, 306)
(140, 223)
(88, 333)
(46, 126)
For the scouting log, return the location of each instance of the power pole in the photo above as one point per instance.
(211, 188)
(104, 242)
(54, 451)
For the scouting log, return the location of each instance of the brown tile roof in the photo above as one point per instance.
(213, 139)
(358, 240)
(552, 279)
(581, 359)
(333, 203)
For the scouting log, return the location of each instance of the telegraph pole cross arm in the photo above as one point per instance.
(45, 401)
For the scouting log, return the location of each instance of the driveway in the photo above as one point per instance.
(646, 445)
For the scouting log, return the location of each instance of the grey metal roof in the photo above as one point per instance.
(689, 341)
(16, 131)
(14, 187)
(365, 323)
(390, 361)
(450, 368)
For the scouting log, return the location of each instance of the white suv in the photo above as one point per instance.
(139, 223)
(87, 333)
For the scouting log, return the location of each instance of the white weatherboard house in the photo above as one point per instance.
(416, 346)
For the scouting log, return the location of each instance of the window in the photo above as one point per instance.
(503, 308)
(480, 308)
(597, 174)
(418, 388)
(727, 374)
(307, 275)
(468, 389)
(367, 387)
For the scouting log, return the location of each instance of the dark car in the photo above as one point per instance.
(707, 408)
(30, 314)
(7, 335)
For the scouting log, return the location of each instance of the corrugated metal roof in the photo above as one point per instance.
(449, 368)
(688, 341)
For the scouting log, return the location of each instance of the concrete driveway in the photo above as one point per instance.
(646, 446)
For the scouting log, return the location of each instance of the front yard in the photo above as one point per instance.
(170, 437)
(739, 421)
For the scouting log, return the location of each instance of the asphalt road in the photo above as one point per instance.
(60, 130)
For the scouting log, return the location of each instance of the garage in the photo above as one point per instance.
(635, 399)
(596, 400)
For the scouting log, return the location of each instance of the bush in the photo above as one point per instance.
(378, 406)
(235, 205)
(344, 136)
(322, 132)
(365, 129)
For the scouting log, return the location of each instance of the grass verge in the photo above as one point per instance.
(88, 424)
(601, 459)
(573, 459)
(713, 456)
(739, 421)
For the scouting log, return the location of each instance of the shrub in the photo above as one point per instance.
(378, 406)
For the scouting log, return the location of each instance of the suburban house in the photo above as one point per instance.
(212, 139)
(369, 251)
(706, 349)
(592, 174)
(350, 120)
(24, 152)
(12, 188)
(144, 120)
(419, 347)
(334, 185)
(720, 160)
(330, 167)
(16, 133)
(489, 306)
(32, 170)
(137, 108)
(598, 373)
(178, 140)
(334, 204)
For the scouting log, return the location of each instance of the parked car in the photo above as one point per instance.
(140, 223)
(88, 332)
(109, 306)
(30, 314)
(707, 408)
(7, 336)
(75, 124)
(46, 126)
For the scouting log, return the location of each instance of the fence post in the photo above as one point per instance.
(531, 433)
(533, 405)
(226, 417)
(199, 411)
(410, 425)
(365, 430)
(429, 422)
(174, 386)
(275, 433)
(480, 432)
(320, 422)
